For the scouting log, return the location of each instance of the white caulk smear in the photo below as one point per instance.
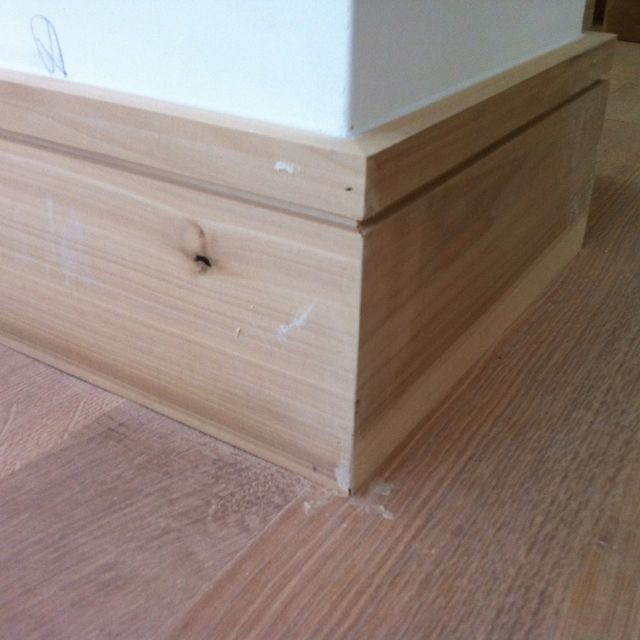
(383, 511)
(65, 233)
(299, 320)
(381, 488)
(343, 473)
(286, 167)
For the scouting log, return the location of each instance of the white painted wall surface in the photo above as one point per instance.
(328, 66)
(284, 61)
(407, 53)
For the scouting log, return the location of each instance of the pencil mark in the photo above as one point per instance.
(48, 45)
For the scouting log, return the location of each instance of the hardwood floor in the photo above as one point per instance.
(513, 513)
(115, 533)
(40, 408)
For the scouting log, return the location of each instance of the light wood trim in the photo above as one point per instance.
(349, 179)
(407, 153)
(436, 381)
(129, 197)
(232, 156)
(98, 277)
(437, 266)
(116, 386)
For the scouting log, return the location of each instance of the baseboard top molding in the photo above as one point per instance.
(344, 180)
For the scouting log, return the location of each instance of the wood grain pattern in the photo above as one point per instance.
(114, 535)
(253, 320)
(407, 153)
(32, 393)
(229, 155)
(513, 514)
(604, 599)
(438, 265)
(352, 179)
(618, 166)
(259, 349)
(625, 85)
(493, 504)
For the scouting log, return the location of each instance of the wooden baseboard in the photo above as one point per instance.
(231, 317)
(391, 428)
(452, 254)
(303, 298)
(347, 180)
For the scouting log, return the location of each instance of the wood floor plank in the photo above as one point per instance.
(604, 600)
(619, 151)
(114, 535)
(624, 104)
(618, 167)
(494, 503)
(40, 408)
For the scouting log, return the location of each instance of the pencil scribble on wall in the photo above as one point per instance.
(46, 40)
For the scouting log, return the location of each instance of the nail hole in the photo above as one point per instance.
(349, 189)
(202, 260)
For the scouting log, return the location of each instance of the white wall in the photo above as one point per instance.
(330, 66)
(406, 53)
(284, 61)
